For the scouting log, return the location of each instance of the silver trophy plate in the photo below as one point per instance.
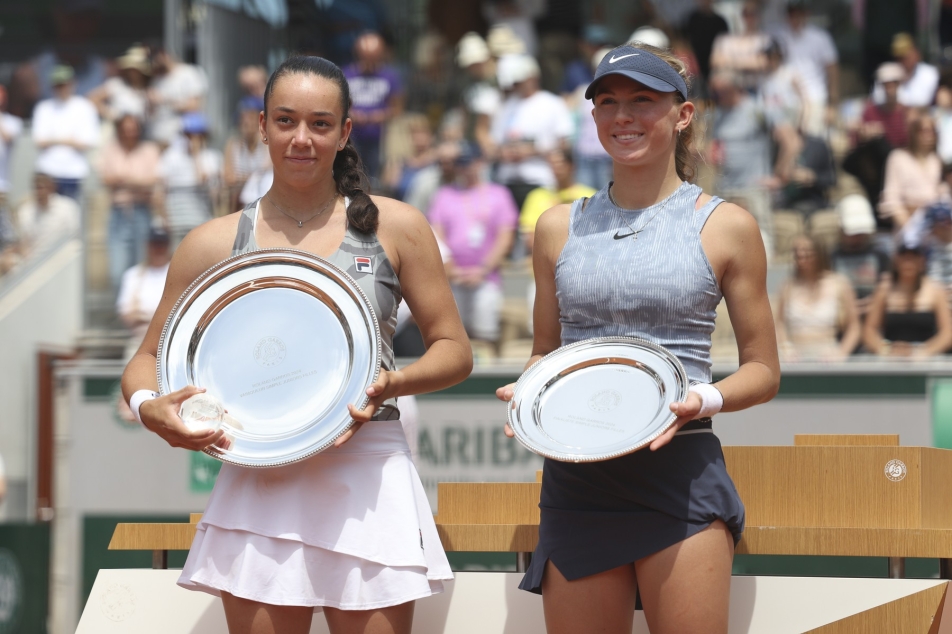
(597, 399)
(285, 340)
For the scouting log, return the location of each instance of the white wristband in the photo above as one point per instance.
(711, 399)
(138, 398)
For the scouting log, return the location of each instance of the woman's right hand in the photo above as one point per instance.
(161, 415)
(505, 394)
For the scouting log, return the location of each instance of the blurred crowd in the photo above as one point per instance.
(484, 131)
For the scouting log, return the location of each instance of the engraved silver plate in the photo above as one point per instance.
(597, 399)
(285, 340)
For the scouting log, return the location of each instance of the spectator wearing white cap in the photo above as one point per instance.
(530, 123)
(482, 98)
(857, 256)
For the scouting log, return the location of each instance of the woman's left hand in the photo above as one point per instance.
(687, 410)
(383, 388)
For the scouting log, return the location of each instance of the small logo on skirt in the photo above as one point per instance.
(604, 401)
(270, 351)
(895, 470)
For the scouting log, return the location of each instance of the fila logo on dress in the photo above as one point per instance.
(363, 265)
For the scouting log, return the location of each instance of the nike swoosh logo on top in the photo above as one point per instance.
(615, 59)
(618, 235)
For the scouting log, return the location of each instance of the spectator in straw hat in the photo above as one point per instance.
(126, 93)
(857, 256)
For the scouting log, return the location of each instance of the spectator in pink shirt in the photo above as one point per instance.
(913, 178)
(477, 221)
(128, 166)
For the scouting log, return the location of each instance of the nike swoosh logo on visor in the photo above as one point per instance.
(618, 235)
(615, 59)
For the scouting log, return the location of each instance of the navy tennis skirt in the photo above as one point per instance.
(600, 515)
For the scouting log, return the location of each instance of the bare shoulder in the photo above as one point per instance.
(399, 218)
(404, 232)
(554, 220)
(728, 217)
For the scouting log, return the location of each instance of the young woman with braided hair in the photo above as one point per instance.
(348, 530)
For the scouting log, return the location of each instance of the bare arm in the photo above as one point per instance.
(744, 284)
(411, 247)
(200, 250)
(852, 329)
(940, 342)
(872, 328)
(551, 234)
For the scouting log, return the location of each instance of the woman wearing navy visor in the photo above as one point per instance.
(648, 256)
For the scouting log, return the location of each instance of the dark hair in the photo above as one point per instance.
(349, 175)
(565, 153)
(916, 125)
(905, 249)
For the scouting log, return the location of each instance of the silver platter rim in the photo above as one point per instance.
(234, 262)
(683, 384)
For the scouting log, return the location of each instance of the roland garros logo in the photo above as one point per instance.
(895, 470)
(270, 352)
(604, 401)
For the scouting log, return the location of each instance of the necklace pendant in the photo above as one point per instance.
(300, 224)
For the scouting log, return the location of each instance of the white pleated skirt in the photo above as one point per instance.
(349, 528)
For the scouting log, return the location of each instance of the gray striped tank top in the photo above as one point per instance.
(363, 258)
(659, 287)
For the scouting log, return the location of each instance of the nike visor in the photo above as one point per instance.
(644, 67)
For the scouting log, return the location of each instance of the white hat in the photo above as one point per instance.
(502, 40)
(890, 71)
(472, 49)
(513, 69)
(856, 215)
(651, 36)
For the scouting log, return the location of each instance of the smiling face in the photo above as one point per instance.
(305, 127)
(637, 125)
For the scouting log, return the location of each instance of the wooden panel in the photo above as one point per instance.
(539, 475)
(852, 542)
(489, 502)
(152, 537)
(848, 440)
(936, 488)
(913, 614)
(490, 538)
(194, 518)
(827, 486)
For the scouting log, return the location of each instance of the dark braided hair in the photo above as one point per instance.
(349, 174)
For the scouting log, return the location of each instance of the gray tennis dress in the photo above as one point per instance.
(349, 527)
(644, 274)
